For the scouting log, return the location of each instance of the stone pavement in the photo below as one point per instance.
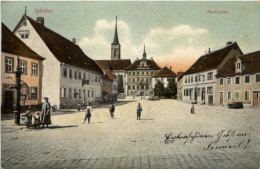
(168, 136)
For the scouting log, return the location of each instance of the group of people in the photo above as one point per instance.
(44, 118)
(111, 110)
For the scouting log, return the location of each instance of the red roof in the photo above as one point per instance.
(251, 61)
(113, 64)
(63, 49)
(12, 44)
(165, 72)
(211, 60)
(110, 75)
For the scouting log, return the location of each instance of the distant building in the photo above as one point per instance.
(109, 87)
(199, 81)
(69, 76)
(31, 67)
(140, 74)
(179, 85)
(164, 76)
(239, 80)
(116, 65)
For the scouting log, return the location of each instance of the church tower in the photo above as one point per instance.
(115, 46)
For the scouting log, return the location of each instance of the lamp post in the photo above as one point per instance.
(17, 87)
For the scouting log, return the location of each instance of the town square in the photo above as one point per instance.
(124, 142)
(137, 84)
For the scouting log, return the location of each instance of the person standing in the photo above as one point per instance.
(192, 108)
(46, 112)
(139, 110)
(88, 114)
(78, 107)
(112, 110)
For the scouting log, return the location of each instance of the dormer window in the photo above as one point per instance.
(24, 34)
(24, 23)
(238, 66)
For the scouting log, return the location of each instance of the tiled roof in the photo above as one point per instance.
(165, 72)
(114, 64)
(211, 60)
(251, 61)
(14, 45)
(110, 75)
(63, 49)
(150, 65)
(180, 75)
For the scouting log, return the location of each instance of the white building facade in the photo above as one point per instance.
(60, 54)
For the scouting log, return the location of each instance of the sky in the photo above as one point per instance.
(175, 33)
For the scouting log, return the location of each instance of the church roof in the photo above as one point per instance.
(150, 65)
(251, 61)
(165, 72)
(113, 64)
(110, 75)
(13, 45)
(63, 49)
(115, 41)
(211, 60)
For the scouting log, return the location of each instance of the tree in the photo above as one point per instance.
(159, 89)
(171, 88)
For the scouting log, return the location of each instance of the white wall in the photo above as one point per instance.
(51, 70)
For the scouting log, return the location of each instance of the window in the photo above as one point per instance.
(34, 69)
(247, 79)
(9, 64)
(133, 79)
(63, 92)
(203, 77)
(191, 79)
(84, 75)
(137, 73)
(142, 73)
(229, 95)
(129, 87)
(237, 80)
(70, 74)
(79, 74)
(133, 73)
(137, 87)
(142, 65)
(33, 93)
(237, 95)
(75, 93)
(92, 93)
(221, 81)
(23, 65)
(70, 92)
(133, 87)
(24, 23)
(238, 65)
(246, 95)
(210, 90)
(95, 78)
(229, 81)
(88, 93)
(199, 77)
(79, 93)
(65, 72)
(129, 73)
(257, 77)
(195, 78)
(75, 74)
(210, 75)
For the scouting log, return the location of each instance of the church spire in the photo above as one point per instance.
(116, 41)
(25, 10)
(144, 54)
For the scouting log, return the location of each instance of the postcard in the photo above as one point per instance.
(136, 84)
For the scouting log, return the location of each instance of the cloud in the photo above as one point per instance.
(177, 46)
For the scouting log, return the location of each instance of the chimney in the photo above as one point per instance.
(151, 58)
(170, 67)
(209, 50)
(229, 43)
(74, 41)
(40, 20)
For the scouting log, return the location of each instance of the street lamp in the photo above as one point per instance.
(17, 87)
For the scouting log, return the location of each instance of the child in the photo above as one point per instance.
(37, 121)
(28, 117)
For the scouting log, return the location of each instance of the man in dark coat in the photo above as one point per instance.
(112, 110)
(46, 112)
(139, 110)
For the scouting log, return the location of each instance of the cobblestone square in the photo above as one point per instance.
(167, 136)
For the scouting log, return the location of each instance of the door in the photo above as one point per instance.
(221, 98)
(8, 101)
(203, 94)
(255, 99)
(195, 94)
(210, 100)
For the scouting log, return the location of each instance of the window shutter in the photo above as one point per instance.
(30, 93)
